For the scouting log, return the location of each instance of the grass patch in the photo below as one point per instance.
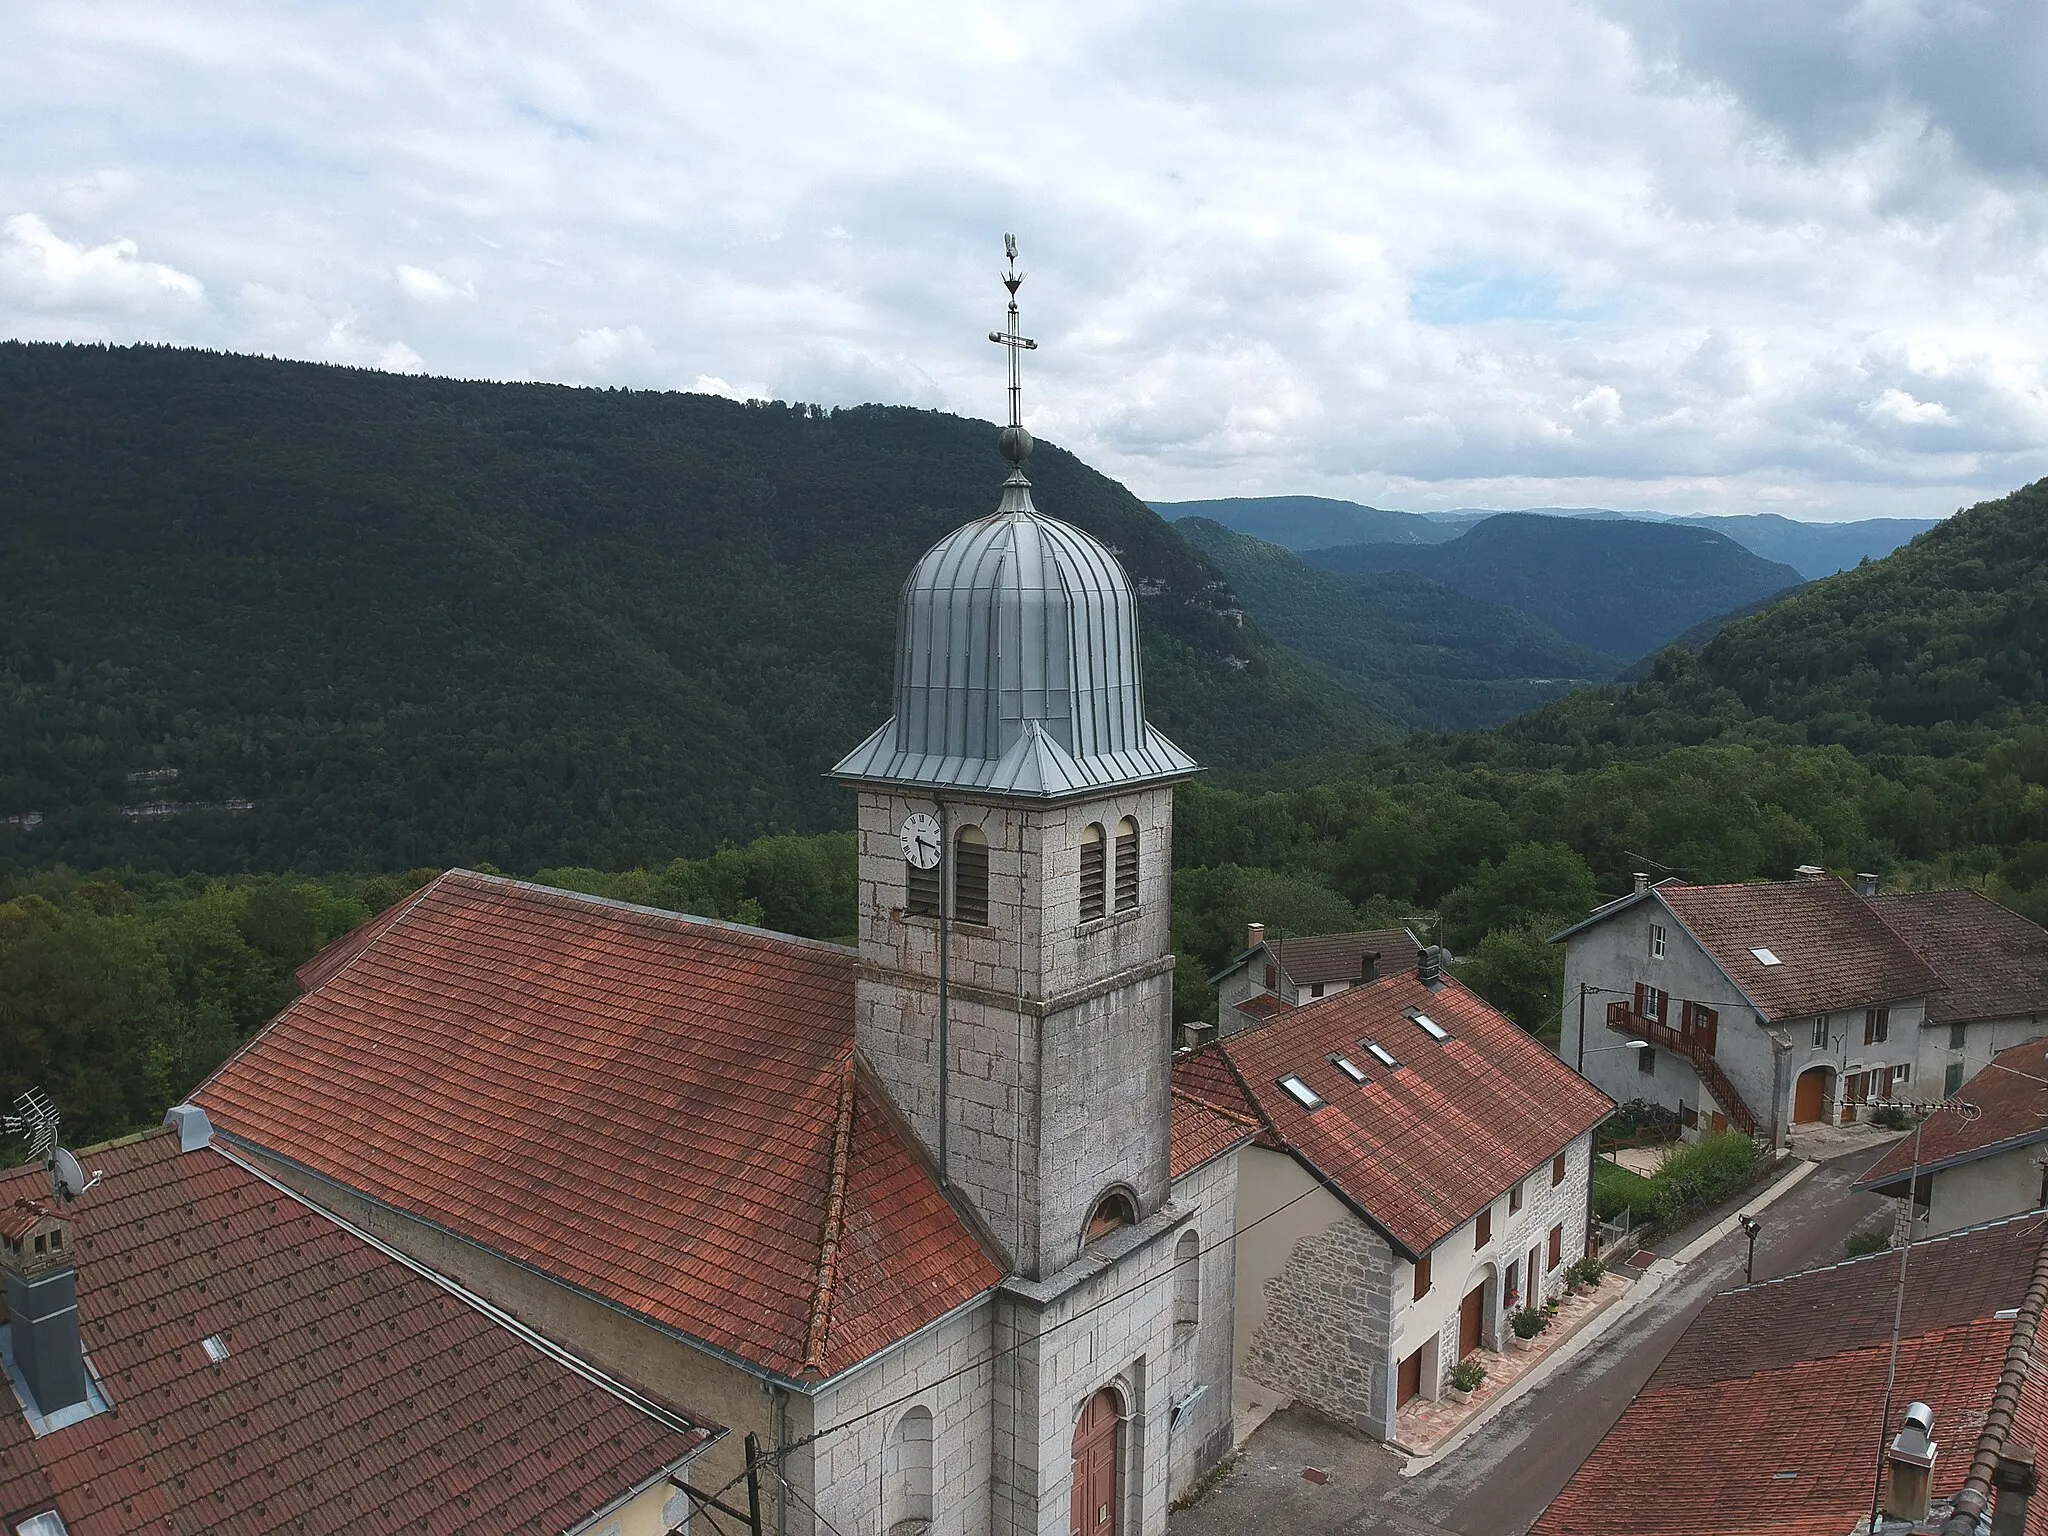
(1693, 1176)
(1616, 1189)
(1869, 1240)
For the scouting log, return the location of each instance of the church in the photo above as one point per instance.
(926, 1215)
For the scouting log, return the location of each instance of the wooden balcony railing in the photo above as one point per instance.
(1696, 1043)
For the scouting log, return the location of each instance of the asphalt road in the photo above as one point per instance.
(1497, 1482)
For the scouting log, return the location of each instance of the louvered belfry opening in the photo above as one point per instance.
(1094, 873)
(970, 877)
(921, 890)
(1126, 865)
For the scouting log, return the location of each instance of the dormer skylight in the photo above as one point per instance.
(1765, 957)
(1301, 1093)
(1349, 1068)
(215, 1346)
(1380, 1053)
(1430, 1027)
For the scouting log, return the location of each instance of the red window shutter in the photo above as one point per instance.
(1640, 1010)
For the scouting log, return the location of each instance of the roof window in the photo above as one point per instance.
(1349, 1068)
(1302, 1094)
(215, 1346)
(1430, 1027)
(1765, 957)
(1380, 1053)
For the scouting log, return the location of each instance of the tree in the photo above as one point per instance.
(1536, 883)
(1521, 973)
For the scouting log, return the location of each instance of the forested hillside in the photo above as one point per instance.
(413, 621)
(1451, 662)
(1617, 586)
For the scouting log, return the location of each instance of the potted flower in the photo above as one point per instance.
(1526, 1323)
(1465, 1379)
(1588, 1272)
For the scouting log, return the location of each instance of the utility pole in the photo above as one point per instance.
(1752, 1226)
(1581, 1068)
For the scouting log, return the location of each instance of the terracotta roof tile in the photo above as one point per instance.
(357, 1395)
(1765, 1416)
(1419, 1148)
(2012, 1094)
(639, 1103)
(1327, 957)
(1992, 963)
(1211, 1113)
(1834, 952)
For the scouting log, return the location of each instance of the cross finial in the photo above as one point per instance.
(1015, 441)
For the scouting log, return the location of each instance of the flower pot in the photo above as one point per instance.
(1457, 1394)
(1516, 1341)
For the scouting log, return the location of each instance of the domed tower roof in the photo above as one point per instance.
(1017, 666)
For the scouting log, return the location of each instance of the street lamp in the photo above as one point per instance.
(1751, 1226)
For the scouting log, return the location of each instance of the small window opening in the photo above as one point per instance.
(1656, 941)
(1349, 1068)
(42, 1243)
(921, 890)
(56, 1241)
(1302, 1094)
(1765, 957)
(1877, 1025)
(1646, 1061)
(215, 1346)
(1514, 1199)
(1315, 989)
(1430, 1027)
(1380, 1053)
(1111, 1213)
(1187, 1280)
(1421, 1277)
(1557, 1170)
(1092, 872)
(1955, 1037)
(1127, 865)
(970, 877)
(1820, 1031)
(1482, 1229)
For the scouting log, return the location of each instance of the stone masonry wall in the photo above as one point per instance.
(1329, 1330)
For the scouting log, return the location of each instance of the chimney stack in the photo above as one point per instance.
(1642, 882)
(1368, 969)
(1254, 935)
(1866, 885)
(1809, 872)
(2015, 1481)
(1909, 1465)
(42, 1305)
(1429, 966)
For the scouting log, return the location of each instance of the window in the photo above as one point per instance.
(1316, 990)
(1952, 1080)
(1482, 1229)
(1430, 1027)
(1111, 1212)
(1655, 1003)
(1272, 978)
(970, 877)
(1187, 1280)
(1092, 873)
(56, 1241)
(1689, 1116)
(907, 1473)
(1820, 1032)
(1656, 941)
(1955, 1037)
(1422, 1277)
(1302, 1094)
(1514, 1199)
(1646, 1061)
(1127, 865)
(1557, 1170)
(1877, 1025)
(1380, 1053)
(1902, 1072)
(1765, 957)
(1349, 1068)
(921, 890)
(215, 1346)
(1556, 1247)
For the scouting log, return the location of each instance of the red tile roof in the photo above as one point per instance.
(1210, 1111)
(1834, 952)
(1420, 1149)
(1765, 1416)
(357, 1394)
(1327, 957)
(1992, 962)
(644, 1105)
(1261, 1006)
(2011, 1092)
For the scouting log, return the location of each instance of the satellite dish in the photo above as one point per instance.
(67, 1178)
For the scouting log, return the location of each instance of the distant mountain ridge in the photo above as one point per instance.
(1303, 523)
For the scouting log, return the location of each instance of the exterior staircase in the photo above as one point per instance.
(1624, 1020)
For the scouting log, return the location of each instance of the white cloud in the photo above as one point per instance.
(611, 355)
(40, 268)
(1895, 405)
(426, 286)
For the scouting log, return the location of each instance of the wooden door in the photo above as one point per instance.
(1469, 1311)
(1409, 1383)
(1717, 1122)
(1809, 1097)
(1095, 1457)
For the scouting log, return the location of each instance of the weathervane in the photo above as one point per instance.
(1015, 441)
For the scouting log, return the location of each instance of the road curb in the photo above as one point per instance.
(1727, 1224)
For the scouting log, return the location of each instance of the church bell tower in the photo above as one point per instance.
(1015, 841)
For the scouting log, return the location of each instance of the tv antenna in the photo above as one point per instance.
(35, 1117)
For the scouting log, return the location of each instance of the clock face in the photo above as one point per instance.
(920, 839)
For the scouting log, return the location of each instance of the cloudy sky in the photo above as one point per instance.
(1697, 255)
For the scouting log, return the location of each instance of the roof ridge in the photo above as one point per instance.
(1974, 1497)
(585, 898)
(1214, 1108)
(834, 1234)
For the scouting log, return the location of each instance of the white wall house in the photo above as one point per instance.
(1979, 1166)
(1278, 971)
(1993, 991)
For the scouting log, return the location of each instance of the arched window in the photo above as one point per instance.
(907, 1476)
(1187, 1279)
(1112, 1211)
(1126, 865)
(1093, 872)
(970, 876)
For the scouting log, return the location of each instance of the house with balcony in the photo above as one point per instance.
(1274, 973)
(1762, 1006)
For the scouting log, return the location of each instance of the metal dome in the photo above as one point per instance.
(1017, 667)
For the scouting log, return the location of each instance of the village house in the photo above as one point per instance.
(1992, 991)
(193, 1347)
(1762, 1006)
(1992, 1162)
(1421, 1168)
(1783, 1405)
(1270, 974)
(924, 1214)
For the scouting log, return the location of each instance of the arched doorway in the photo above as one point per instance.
(1098, 1438)
(1810, 1096)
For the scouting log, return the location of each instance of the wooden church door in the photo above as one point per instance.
(1095, 1458)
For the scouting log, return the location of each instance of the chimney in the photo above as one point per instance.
(42, 1305)
(1866, 885)
(2014, 1479)
(1254, 935)
(193, 1128)
(1909, 1465)
(1809, 872)
(1642, 882)
(1368, 968)
(1429, 966)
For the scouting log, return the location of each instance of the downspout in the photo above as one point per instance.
(945, 955)
(781, 1440)
(1781, 1053)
